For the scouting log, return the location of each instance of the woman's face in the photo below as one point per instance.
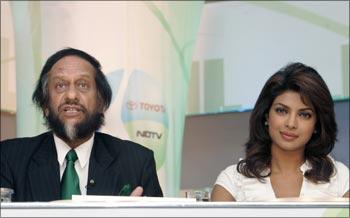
(291, 123)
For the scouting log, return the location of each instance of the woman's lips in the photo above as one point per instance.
(288, 136)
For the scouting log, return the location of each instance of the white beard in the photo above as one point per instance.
(71, 131)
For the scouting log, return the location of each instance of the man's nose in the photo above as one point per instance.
(72, 93)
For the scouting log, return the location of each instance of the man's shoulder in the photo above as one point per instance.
(120, 144)
(24, 141)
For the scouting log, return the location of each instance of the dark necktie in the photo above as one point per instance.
(70, 180)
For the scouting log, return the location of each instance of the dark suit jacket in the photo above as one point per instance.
(30, 167)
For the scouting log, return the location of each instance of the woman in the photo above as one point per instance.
(292, 132)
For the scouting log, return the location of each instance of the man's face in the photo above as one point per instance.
(72, 98)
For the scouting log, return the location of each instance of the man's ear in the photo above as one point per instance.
(46, 112)
(100, 105)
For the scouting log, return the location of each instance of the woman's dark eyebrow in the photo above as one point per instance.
(302, 109)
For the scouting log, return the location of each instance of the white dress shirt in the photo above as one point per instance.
(81, 165)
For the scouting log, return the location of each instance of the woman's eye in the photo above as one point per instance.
(280, 110)
(305, 115)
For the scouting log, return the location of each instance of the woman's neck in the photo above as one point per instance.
(286, 161)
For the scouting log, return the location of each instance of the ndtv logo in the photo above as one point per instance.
(133, 105)
(148, 134)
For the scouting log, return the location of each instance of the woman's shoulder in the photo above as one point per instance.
(230, 175)
(231, 170)
(340, 179)
(240, 186)
(338, 164)
(341, 168)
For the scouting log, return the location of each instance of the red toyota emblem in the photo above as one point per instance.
(132, 105)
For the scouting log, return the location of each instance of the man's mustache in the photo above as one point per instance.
(72, 103)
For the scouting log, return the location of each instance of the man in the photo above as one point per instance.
(73, 94)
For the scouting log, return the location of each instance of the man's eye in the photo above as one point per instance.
(83, 85)
(60, 86)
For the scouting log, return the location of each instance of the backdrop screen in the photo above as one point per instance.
(241, 44)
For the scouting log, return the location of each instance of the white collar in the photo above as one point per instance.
(83, 151)
(305, 166)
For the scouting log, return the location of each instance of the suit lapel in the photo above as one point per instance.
(104, 170)
(43, 172)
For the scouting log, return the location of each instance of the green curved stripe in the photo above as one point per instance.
(34, 9)
(305, 15)
(155, 10)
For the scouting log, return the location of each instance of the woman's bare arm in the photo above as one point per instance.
(219, 193)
